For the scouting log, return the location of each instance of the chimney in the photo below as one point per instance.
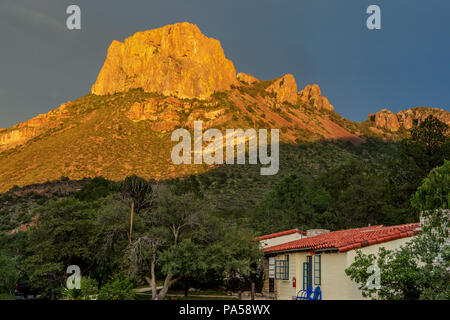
(315, 232)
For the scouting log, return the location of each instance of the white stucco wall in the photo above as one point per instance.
(352, 291)
(284, 288)
(336, 285)
(279, 240)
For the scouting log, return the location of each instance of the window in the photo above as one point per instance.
(305, 275)
(317, 270)
(282, 268)
(309, 271)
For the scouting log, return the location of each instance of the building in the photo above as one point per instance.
(281, 237)
(319, 258)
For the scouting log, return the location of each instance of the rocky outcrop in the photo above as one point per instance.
(164, 115)
(388, 120)
(25, 131)
(247, 78)
(209, 118)
(285, 89)
(143, 111)
(175, 60)
(385, 119)
(312, 95)
(13, 137)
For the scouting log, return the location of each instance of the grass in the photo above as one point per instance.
(206, 298)
(6, 296)
(201, 293)
(197, 295)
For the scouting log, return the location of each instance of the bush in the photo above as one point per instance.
(8, 272)
(119, 288)
(89, 288)
(97, 188)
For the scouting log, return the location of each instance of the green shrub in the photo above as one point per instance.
(8, 272)
(119, 288)
(89, 289)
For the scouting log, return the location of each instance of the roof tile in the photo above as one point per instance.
(349, 239)
(280, 234)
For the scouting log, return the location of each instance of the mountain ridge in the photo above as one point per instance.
(127, 131)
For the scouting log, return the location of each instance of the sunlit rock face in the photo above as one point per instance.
(388, 120)
(247, 78)
(313, 96)
(406, 118)
(25, 131)
(175, 60)
(285, 89)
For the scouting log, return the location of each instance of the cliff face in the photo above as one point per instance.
(25, 131)
(247, 78)
(285, 89)
(406, 119)
(175, 60)
(313, 96)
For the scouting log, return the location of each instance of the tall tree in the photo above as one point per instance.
(419, 269)
(140, 193)
(174, 217)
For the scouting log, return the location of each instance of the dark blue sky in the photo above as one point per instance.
(406, 64)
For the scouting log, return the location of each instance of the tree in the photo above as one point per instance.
(9, 272)
(184, 241)
(294, 203)
(111, 238)
(398, 277)
(141, 194)
(139, 191)
(90, 234)
(419, 269)
(174, 217)
(433, 200)
(119, 288)
(428, 145)
(236, 257)
(61, 237)
(187, 260)
(431, 134)
(357, 192)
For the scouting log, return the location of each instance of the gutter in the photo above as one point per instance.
(327, 250)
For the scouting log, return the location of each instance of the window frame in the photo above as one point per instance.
(317, 270)
(312, 271)
(282, 268)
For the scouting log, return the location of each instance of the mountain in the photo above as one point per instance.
(174, 60)
(405, 119)
(152, 83)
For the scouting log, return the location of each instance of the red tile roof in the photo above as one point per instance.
(280, 234)
(345, 240)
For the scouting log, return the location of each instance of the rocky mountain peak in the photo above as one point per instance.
(313, 96)
(175, 60)
(247, 78)
(406, 118)
(285, 89)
